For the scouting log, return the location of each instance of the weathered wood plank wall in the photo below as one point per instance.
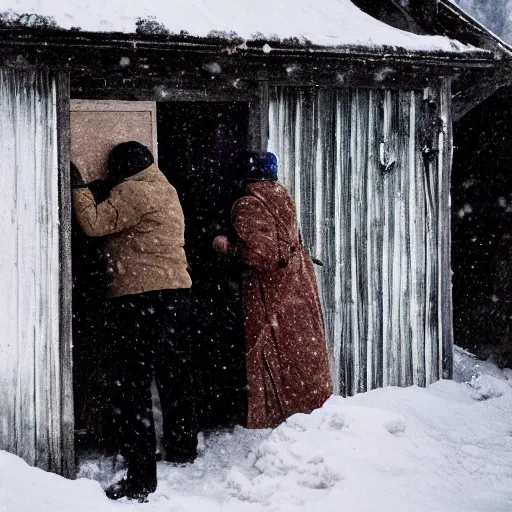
(66, 281)
(30, 386)
(369, 171)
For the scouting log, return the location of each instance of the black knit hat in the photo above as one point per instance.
(127, 159)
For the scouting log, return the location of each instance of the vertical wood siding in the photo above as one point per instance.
(369, 171)
(30, 390)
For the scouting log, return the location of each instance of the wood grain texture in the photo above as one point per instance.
(30, 379)
(97, 126)
(66, 306)
(369, 172)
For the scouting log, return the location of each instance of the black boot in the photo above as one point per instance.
(180, 457)
(182, 449)
(127, 488)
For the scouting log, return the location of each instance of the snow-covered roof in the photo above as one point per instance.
(323, 22)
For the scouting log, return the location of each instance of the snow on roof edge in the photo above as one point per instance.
(471, 19)
(324, 23)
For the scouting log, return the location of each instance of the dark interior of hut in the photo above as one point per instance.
(198, 149)
(482, 229)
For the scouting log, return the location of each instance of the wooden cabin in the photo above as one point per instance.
(358, 112)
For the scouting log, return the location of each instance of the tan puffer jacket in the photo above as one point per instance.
(144, 225)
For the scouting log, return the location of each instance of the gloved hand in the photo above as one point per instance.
(221, 244)
(100, 189)
(76, 178)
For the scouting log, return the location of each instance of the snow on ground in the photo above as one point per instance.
(324, 22)
(444, 448)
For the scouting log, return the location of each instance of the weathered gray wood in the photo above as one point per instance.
(446, 309)
(263, 115)
(30, 384)
(452, 19)
(375, 211)
(476, 88)
(66, 309)
(258, 119)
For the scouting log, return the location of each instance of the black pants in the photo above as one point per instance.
(150, 334)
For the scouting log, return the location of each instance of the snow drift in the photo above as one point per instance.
(444, 448)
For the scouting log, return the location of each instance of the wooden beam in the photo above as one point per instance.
(473, 88)
(459, 25)
(66, 313)
(254, 139)
(64, 43)
(424, 11)
(258, 119)
(264, 121)
(445, 269)
(160, 92)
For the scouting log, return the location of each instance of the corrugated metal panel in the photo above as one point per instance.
(30, 394)
(369, 171)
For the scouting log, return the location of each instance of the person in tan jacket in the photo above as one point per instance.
(149, 290)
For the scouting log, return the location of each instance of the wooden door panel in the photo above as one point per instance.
(97, 126)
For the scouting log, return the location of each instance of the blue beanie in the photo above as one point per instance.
(260, 166)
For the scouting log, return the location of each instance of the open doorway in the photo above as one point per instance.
(482, 229)
(198, 147)
(96, 126)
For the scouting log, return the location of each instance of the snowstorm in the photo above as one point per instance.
(256, 256)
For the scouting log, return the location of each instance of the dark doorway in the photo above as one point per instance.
(93, 355)
(199, 145)
(482, 229)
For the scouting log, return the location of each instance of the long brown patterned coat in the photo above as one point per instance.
(287, 364)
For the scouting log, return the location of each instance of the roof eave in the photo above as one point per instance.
(69, 39)
(494, 43)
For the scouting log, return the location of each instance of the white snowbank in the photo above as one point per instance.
(447, 448)
(324, 22)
